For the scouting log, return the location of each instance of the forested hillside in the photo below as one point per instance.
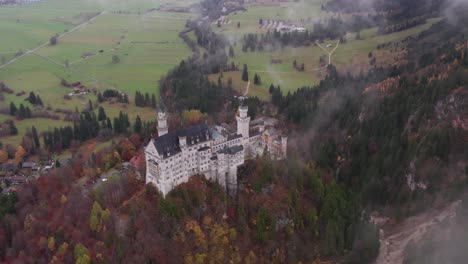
(391, 140)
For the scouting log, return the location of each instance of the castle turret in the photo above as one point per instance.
(182, 141)
(162, 120)
(243, 122)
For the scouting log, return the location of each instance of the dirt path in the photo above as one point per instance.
(331, 52)
(392, 246)
(247, 89)
(311, 70)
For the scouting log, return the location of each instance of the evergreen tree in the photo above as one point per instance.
(101, 114)
(231, 51)
(13, 129)
(257, 80)
(109, 123)
(35, 137)
(100, 98)
(147, 100)
(245, 73)
(27, 112)
(32, 98)
(39, 100)
(22, 111)
(90, 105)
(13, 109)
(117, 127)
(153, 101)
(137, 127)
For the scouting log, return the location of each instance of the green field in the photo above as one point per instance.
(351, 57)
(145, 40)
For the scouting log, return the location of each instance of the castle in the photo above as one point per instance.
(215, 151)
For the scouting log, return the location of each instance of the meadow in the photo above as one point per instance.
(350, 57)
(90, 33)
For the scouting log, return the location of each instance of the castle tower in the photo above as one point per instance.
(243, 122)
(162, 120)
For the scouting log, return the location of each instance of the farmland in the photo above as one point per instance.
(145, 40)
(90, 33)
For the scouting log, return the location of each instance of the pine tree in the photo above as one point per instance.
(147, 100)
(39, 100)
(137, 127)
(153, 101)
(100, 98)
(22, 111)
(109, 123)
(231, 51)
(245, 73)
(13, 129)
(257, 80)
(13, 109)
(90, 105)
(32, 98)
(117, 128)
(35, 137)
(27, 112)
(101, 114)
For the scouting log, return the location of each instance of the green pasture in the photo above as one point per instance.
(146, 42)
(351, 57)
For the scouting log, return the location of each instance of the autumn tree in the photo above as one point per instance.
(192, 117)
(81, 254)
(3, 156)
(20, 153)
(97, 217)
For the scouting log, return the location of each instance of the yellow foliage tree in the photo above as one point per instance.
(250, 258)
(42, 243)
(63, 199)
(62, 249)
(193, 116)
(97, 217)
(28, 223)
(51, 243)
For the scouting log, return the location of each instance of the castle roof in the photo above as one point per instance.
(231, 150)
(168, 144)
